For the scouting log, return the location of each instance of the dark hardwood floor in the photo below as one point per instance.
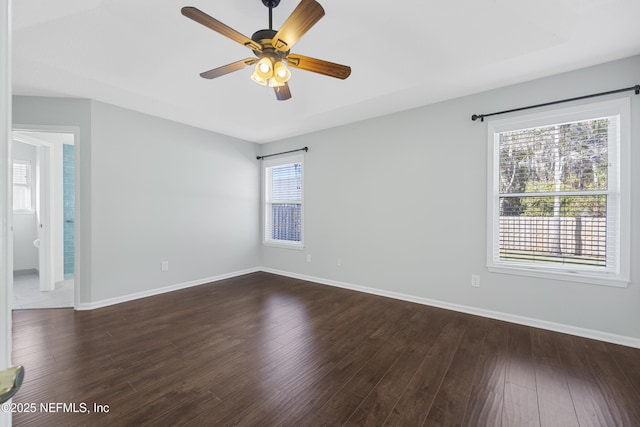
(264, 350)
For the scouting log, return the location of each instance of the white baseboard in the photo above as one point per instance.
(157, 291)
(512, 318)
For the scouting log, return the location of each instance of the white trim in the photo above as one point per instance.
(6, 200)
(158, 291)
(616, 276)
(565, 275)
(265, 183)
(24, 212)
(284, 244)
(512, 318)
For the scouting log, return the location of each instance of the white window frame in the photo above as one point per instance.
(266, 210)
(619, 183)
(30, 186)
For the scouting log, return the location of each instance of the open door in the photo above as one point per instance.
(44, 217)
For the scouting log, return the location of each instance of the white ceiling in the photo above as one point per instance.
(144, 55)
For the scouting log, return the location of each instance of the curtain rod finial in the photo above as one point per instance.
(478, 116)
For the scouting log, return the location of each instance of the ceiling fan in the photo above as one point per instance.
(272, 48)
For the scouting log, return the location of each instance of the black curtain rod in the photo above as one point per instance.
(284, 152)
(636, 88)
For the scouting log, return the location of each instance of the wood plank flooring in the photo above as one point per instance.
(265, 350)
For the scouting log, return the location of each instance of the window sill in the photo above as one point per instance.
(284, 244)
(24, 212)
(581, 277)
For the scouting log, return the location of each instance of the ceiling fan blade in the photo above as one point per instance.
(303, 17)
(206, 20)
(319, 66)
(282, 92)
(229, 68)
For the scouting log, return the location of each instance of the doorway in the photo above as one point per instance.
(43, 219)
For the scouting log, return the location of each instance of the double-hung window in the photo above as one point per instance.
(559, 194)
(22, 186)
(283, 201)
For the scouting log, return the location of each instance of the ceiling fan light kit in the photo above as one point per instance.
(272, 48)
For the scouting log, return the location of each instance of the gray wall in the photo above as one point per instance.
(153, 190)
(166, 191)
(402, 200)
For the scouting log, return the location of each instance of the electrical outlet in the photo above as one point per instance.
(339, 262)
(308, 257)
(475, 280)
(164, 266)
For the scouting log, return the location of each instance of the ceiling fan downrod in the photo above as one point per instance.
(271, 4)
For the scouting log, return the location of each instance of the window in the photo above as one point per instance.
(559, 194)
(283, 198)
(22, 199)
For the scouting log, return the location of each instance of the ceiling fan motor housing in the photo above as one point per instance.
(263, 38)
(263, 35)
